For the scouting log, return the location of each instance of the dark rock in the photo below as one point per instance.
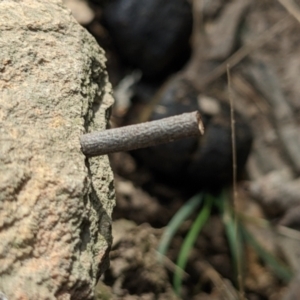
(211, 164)
(172, 158)
(149, 35)
(204, 162)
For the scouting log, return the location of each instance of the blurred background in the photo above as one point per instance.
(224, 222)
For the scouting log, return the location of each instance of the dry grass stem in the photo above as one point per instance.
(246, 50)
(234, 181)
(292, 8)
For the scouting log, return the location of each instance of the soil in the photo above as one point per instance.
(258, 41)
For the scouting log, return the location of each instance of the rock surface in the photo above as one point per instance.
(55, 206)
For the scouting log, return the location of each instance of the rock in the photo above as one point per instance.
(149, 35)
(171, 159)
(55, 205)
(204, 162)
(81, 11)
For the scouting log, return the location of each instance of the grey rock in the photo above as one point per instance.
(55, 206)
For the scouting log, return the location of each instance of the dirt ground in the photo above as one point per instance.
(239, 50)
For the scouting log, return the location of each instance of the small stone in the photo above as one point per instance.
(80, 11)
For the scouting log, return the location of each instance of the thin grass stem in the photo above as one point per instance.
(185, 211)
(190, 239)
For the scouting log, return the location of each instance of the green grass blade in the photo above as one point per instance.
(190, 240)
(232, 232)
(281, 270)
(185, 211)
